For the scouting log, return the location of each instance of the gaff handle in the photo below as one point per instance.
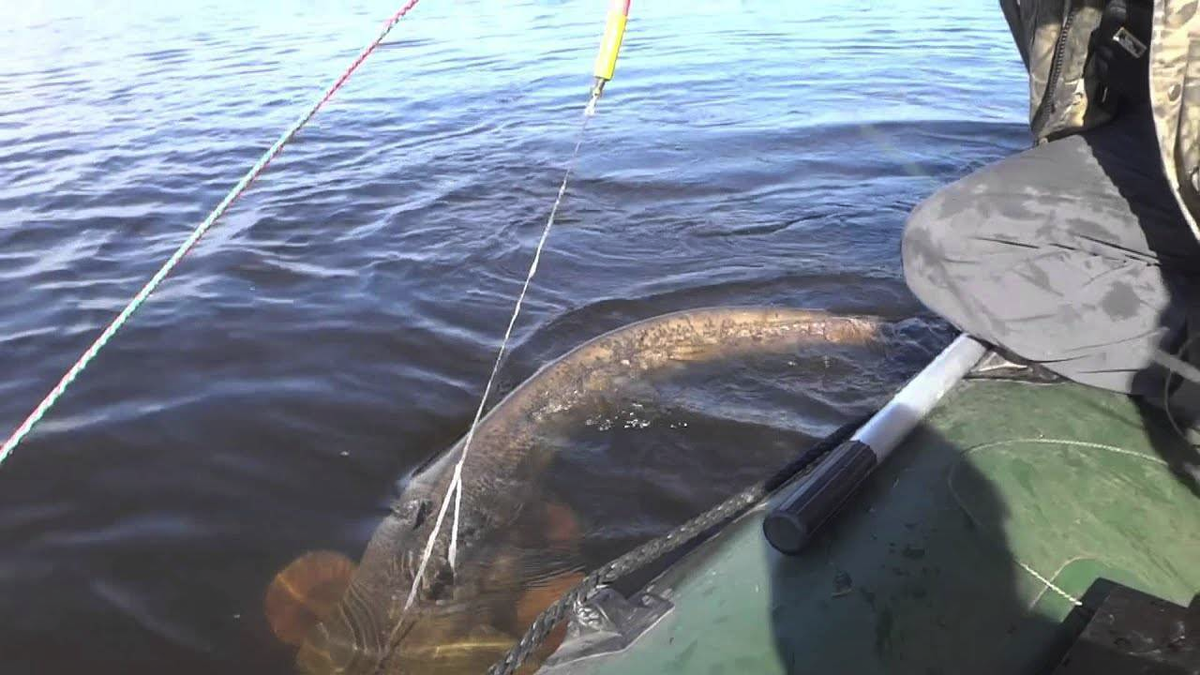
(798, 517)
(610, 44)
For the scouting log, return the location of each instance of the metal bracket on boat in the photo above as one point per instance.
(605, 624)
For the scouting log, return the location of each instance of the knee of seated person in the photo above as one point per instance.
(926, 244)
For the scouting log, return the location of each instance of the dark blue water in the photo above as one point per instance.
(336, 328)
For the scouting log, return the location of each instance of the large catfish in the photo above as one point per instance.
(361, 626)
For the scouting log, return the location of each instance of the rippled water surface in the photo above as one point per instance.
(336, 328)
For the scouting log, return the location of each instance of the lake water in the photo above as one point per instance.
(336, 328)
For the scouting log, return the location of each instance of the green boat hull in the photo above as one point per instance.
(963, 554)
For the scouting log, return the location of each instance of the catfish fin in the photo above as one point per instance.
(444, 645)
(305, 593)
(561, 526)
(533, 602)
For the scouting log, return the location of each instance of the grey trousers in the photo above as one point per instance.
(1072, 254)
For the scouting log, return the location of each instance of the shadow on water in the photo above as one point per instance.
(915, 575)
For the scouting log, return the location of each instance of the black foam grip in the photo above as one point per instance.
(791, 524)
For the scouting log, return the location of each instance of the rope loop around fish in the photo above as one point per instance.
(454, 490)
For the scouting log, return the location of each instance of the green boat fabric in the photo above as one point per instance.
(962, 554)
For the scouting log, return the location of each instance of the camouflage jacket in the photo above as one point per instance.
(1053, 38)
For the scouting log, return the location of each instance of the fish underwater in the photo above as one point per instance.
(348, 619)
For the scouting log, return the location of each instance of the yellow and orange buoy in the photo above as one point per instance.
(610, 45)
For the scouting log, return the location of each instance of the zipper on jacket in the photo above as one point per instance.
(1056, 65)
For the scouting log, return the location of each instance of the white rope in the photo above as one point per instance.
(455, 488)
(1176, 365)
(1066, 442)
(1070, 443)
(1048, 584)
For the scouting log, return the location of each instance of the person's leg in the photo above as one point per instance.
(1072, 254)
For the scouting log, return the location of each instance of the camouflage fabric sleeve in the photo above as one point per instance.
(1043, 23)
(1037, 27)
(1175, 95)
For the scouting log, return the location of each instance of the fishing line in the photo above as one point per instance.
(603, 69)
(454, 490)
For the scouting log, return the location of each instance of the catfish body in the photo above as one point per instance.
(370, 633)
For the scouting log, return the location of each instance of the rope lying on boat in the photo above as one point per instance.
(655, 549)
(142, 295)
